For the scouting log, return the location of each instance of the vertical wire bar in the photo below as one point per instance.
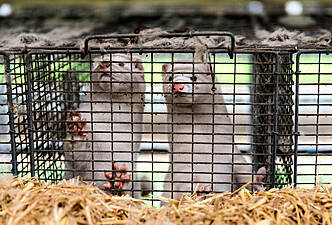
(51, 102)
(192, 125)
(172, 128)
(213, 76)
(296, 122)
(131, 123)
(317, 117)
(233, 124)
(29, 106)
(10, 111)
(22, 140)
(252, 93)
(152, 123)
(14, 89)
(36, 106)
(276, 115)
(41, 116)
(132, 152)
(112, 113)
(44, 100)
(68, 86)
(251, 152)
(92, 118)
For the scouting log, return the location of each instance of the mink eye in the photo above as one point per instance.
(170, 78)
(193, 78)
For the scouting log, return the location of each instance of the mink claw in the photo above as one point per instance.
(107, 186)
(75, 124)
(117, 180)
(202, 190)
(108, 175)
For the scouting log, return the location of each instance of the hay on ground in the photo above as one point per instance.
(29, 201)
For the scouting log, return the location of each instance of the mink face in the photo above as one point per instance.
(117, 74)
(103, 134)
(187, 83)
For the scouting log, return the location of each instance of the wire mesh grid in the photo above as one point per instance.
(128, 112)
(20, 141)
(82, 121)
(313, 124)
(5, 148)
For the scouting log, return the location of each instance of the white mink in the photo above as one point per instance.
(107, 126)
(196, 123)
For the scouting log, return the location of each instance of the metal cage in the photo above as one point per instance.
(255, 108)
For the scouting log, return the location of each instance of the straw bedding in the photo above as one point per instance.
(29, 201)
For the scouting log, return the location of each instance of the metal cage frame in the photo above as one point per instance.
(268, 157)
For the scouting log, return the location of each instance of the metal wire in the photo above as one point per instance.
(267, 115)
(312, 124)
(7, 164)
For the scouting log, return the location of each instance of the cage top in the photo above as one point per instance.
(157, 38)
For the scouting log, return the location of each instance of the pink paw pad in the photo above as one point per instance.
(117, 179)
(203, 190)
(75, 124)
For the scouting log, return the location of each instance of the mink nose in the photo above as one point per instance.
(178, 88)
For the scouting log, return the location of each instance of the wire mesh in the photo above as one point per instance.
(313, 124)
(82, 126)
(20, 141)
(128, 112)
(5, 146)
(50, 77)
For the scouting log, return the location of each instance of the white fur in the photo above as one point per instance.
(107, 116)
(197, 123)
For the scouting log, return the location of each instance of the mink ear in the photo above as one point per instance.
(138, 63)
(165, 68)
(97, 63)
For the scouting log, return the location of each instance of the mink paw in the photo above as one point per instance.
(202, 192)
(117, 179)
(75, 124)
(260, 179)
